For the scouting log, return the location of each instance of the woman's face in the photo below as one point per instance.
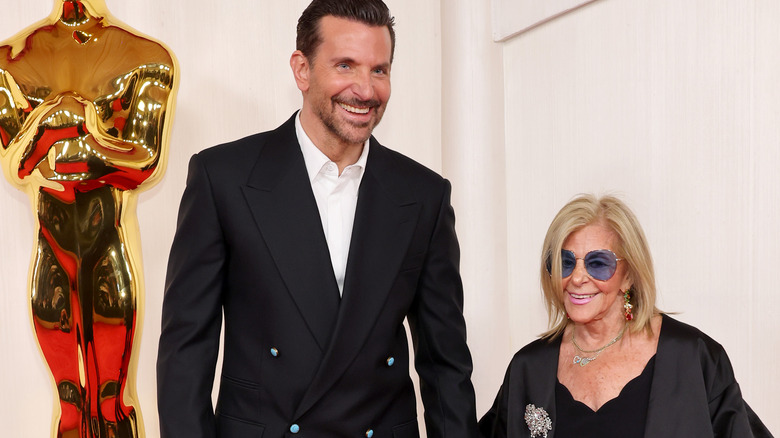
(585, 298)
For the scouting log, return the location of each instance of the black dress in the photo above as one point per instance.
(693, 392)
(622, 417)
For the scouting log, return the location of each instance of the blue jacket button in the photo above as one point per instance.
(295, 428)
(390, 361)
(274, 352)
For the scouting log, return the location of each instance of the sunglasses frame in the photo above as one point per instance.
(617, 259)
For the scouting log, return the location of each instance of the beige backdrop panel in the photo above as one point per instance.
(674, 105)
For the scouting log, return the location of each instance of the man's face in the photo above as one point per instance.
(347, 82)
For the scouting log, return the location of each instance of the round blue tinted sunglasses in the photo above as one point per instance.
(600, 264)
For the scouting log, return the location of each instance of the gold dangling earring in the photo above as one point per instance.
(627, 305)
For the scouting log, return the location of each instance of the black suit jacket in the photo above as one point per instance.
(693, 393)
(298, 360)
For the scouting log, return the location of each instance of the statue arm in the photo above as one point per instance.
(14, 108)
(131, 122)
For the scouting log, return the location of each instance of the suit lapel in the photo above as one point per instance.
(385, 220)
(540, 375)
(281, 200)
(676, 407)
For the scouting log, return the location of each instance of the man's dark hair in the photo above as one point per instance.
(369, 12)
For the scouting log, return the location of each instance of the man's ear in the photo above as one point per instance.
(300, 68)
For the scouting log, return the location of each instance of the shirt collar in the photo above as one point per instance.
(314, 158)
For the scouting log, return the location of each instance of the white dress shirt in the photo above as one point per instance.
(336, 197)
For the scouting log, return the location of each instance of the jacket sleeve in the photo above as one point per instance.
(191, 314)
(756, 425)
(731, 416)
(442, 358)
(530, 379)
(494, 423)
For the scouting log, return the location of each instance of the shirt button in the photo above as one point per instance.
(369, 433)
(390, 361)
(295, 428)
(274, 352)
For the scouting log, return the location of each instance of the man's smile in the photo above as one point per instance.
(353, 109)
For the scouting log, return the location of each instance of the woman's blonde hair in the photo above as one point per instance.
(631, 247)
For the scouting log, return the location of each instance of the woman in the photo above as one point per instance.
(613, 365)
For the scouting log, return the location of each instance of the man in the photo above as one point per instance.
(316, 242)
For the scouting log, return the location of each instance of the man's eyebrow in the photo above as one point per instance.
(384, 66)
(343, 60)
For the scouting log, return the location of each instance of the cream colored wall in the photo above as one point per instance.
(473, 159)
(674, 105)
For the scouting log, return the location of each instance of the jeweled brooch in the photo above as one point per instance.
(538, 421)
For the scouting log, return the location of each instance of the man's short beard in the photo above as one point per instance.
(329, 123)
(329, 120)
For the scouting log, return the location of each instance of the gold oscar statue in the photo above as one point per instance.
(86, 106)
